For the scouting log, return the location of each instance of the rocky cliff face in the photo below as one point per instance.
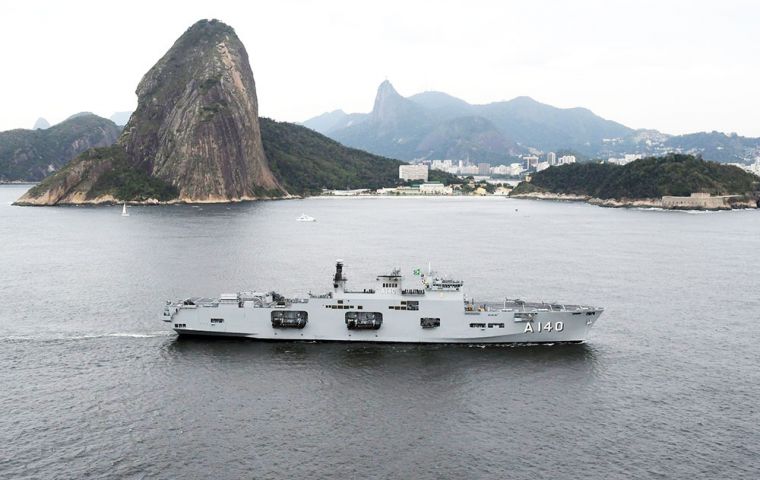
(196, 125)
(391, 110)
(196, 129)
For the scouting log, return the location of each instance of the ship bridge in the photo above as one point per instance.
(394, 283)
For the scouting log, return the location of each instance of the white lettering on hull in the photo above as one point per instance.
(544, 327)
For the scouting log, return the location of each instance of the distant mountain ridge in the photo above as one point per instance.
(41, 124)
(425, 127)
(31, 155)
(435, 125)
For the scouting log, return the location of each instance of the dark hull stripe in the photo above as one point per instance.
(211, 334)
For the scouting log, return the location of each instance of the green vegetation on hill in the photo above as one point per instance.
(443, 177)
(28, 155)
(124, 181)
(305, 161)
(651, 177)
(112, 174)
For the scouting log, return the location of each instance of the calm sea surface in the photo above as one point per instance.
(92, 386)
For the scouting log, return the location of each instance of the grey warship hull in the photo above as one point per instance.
(424, 310)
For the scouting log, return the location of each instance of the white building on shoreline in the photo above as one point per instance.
(435, 188)
(413, 172)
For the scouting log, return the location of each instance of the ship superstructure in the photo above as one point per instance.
(422, 309)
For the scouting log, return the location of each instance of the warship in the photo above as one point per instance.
(425, 308)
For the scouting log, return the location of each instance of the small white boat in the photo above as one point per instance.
(305, 218)
(124, 212)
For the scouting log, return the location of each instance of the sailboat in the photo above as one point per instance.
(124, 210)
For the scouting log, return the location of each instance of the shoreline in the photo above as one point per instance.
(150, 202)
(108, 200)
(645, 203)
(154, 202)
(627, 203)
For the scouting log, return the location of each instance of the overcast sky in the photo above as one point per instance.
(677, 66)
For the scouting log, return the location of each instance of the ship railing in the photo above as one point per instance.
(189, 303)
(320, 295)
(412, 291)
(363, 290)
(445, 288)
(170, 310)
(296, 300)
(517, 305)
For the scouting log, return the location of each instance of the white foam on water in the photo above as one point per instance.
(43, 338)
(140, 335)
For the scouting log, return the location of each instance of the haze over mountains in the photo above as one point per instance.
(435, 125)
(196, 137)
(41, 124)
(30, 155)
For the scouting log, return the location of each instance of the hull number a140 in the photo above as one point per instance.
(544, 327)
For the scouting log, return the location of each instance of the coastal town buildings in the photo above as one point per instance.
(751, 168)
(435, 188)
(413, 172)
(531, 161)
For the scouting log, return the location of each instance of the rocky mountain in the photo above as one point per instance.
(196, 125)
(420, 126)
(196, 137)
(443, 105)
(547, 128)
(195, 129)
(335, 120)
(429, 125)
(470, 137)
(41, 124)
(394, 128)
(30, 155)
(438, 125)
